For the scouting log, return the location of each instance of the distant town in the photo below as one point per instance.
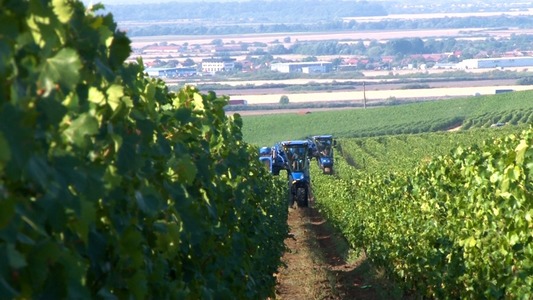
(234, 49)
(223, 65)
(166, 60)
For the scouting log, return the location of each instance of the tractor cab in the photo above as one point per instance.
(297, 166)
(324, 145)
(279, 160)
(265, 157)
(296, 154)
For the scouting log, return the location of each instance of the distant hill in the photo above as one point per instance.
(258, 11)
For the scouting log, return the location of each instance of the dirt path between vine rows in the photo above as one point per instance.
(317, 266)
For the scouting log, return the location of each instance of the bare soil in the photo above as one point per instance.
(380, 35)
(318, 267)
(474, 85)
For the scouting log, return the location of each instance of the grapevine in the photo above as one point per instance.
(113, 187)
(457, 225)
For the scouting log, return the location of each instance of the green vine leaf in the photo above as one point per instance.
(521, 151)
(198, 102)
(5, 153)
(15, 258)
(63, 10)
(94, 155)
(85, 125)
(7, 212)
(62, 69)
(115, 93)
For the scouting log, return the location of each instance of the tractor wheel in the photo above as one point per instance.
(301, 197)
(275, 171)
(291, 202)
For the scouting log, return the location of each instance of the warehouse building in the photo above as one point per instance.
(503, 62)
(171, 72)
(213, 65)
(302, 67)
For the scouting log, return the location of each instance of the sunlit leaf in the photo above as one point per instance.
(82, 127)
(470, 242)
(529, 216)
(521, 151)
(114, 95)
(63, 10)
(198, 102)
(96, 96)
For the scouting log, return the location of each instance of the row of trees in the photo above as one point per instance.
(327, 26)
(408, 46)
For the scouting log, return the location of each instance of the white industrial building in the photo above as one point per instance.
(213, 65)
(302, 67)
(503, 62)
(171, 72)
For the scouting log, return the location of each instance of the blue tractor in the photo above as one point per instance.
(296, 156)
(323, 152)
(273, 158)
(265, 157)
(279, 160)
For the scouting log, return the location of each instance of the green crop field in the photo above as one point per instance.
(480, 111)
(395, 153)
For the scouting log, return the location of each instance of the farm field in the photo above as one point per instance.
(334, 268)
(349, 275)
(395, 153)
(375, 91)
(139, 42)
(407, 118)
(381, 35)
(374, 95)
(528, 12)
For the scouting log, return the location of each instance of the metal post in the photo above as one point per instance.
(364, 94)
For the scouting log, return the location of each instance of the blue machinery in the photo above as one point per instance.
(294, 157)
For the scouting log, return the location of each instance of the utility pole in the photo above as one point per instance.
(364, 94)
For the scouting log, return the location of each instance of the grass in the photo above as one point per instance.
(388, 120)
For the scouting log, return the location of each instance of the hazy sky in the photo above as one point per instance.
(105, 2)
(111, 2)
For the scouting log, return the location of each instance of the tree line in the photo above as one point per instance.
(248, 11)
(407, 46)
(203, 28)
